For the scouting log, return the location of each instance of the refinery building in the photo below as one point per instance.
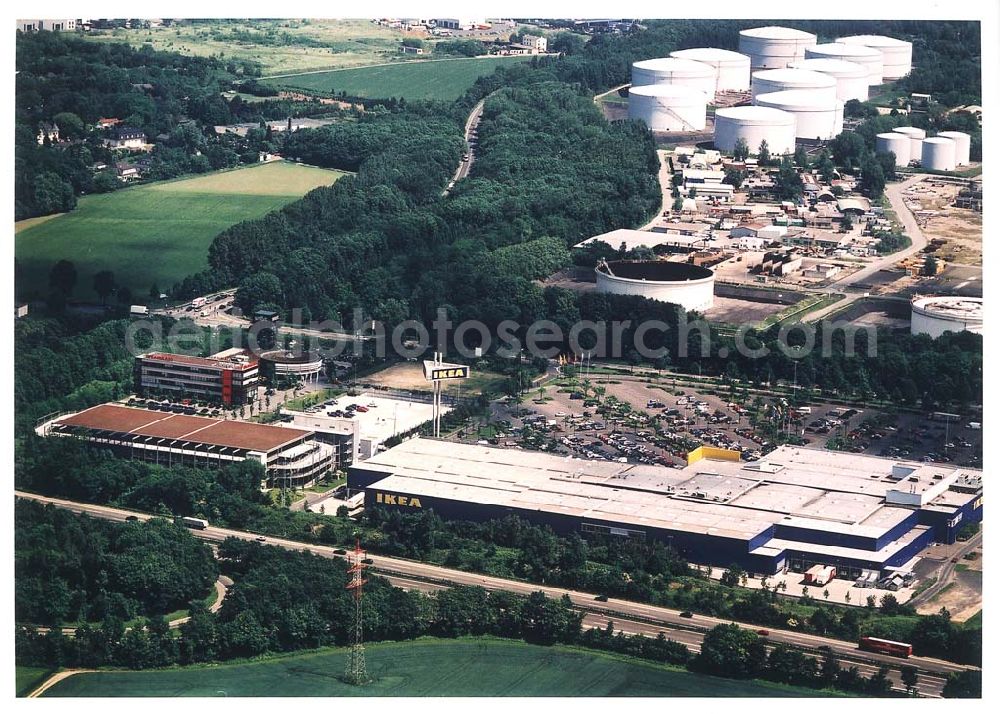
(792, 509)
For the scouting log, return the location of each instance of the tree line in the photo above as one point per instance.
(69, 568)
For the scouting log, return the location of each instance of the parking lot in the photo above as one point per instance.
(619, 420)
(189, 407)
(657, 422)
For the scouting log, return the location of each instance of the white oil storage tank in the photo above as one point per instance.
(897, 55)
(753, 125)
(938, 154)
(936, 315)
(780, 80)
(732, 70)
(670, 70)
(774, 47)
(916, 139)
(851, 77)
(817, 115)
(668, 107)
(963, 145)
(690, 286)
(868, 57)
(898, 144)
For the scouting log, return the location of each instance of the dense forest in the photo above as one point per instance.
(385, 240)
(69, 568)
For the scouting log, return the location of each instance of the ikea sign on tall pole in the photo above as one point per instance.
(436, 371)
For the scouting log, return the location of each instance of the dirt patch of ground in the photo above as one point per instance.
(410, 375)
(963, 598)
(881, 319)
(571, 279)
(961, 229)
(734, 311)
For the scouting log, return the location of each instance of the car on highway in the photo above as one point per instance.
(687, 613)
(131, 518)
(261, 539)
(763, 633)
(340, 551)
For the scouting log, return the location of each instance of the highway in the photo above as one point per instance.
(425, 577)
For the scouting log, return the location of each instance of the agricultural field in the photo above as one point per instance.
(280, 46)
(284, 46)
(484, 667)
(175, 221)
(444, 79)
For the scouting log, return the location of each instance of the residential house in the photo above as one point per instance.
(127, 171)
(127, 137)
(536, 43)
(49, 131)
(56, 25)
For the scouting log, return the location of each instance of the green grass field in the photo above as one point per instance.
(444, 79)
(159, 232)
(469, 667)
(27, 678)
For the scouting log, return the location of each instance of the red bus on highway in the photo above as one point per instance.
(875, 644)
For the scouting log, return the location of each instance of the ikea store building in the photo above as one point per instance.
(792, 509)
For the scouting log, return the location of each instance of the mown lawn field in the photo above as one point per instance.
(157, 233)
(26, 679)
(430, 79)
(428, 667)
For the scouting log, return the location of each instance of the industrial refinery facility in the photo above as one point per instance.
(792, 509)
(671, 70)
(684, 284)
(868, 57)
(775, 47)
(668, 107)
(936, 315)
(732, 69)
(753, 125)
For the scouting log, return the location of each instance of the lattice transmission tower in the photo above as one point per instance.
(356, 672)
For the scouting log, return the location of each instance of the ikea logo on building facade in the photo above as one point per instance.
(390, 500)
